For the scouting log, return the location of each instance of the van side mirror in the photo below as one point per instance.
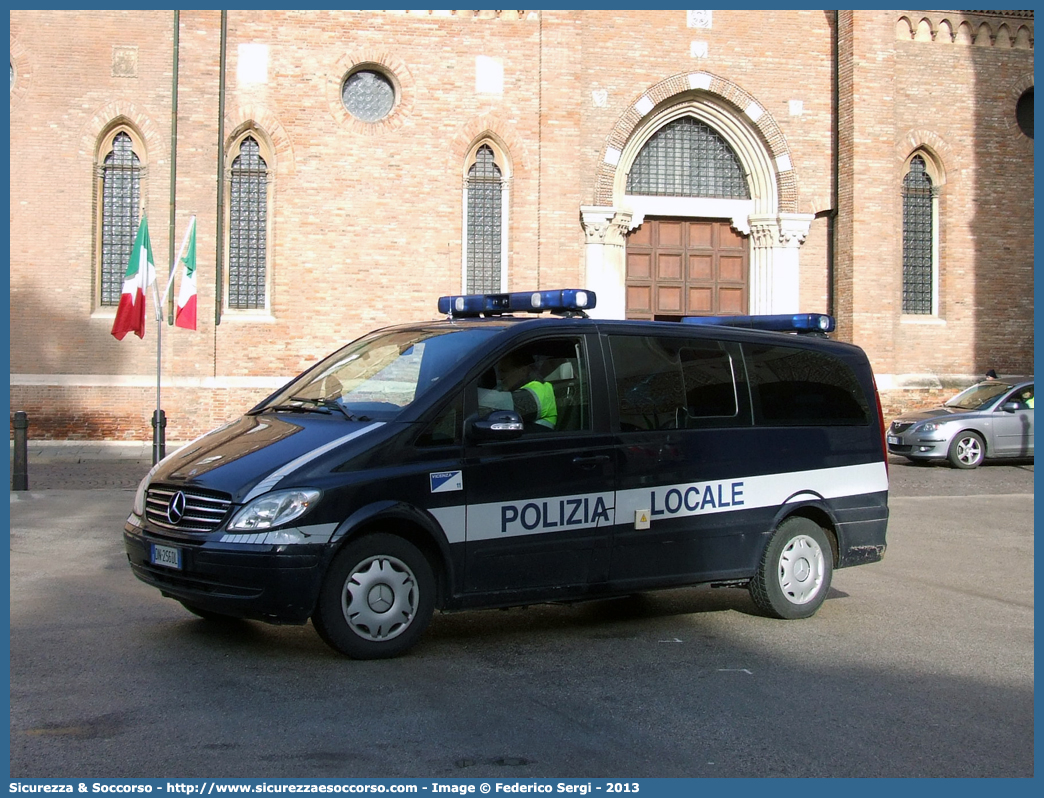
(500, 425)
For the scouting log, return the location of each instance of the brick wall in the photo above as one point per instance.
(366, 222)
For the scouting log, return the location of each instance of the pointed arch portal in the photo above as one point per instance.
(765, 215)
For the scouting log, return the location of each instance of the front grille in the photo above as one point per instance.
(203, 512)
(898, 428)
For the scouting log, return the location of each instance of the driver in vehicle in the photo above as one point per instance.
(520, 386)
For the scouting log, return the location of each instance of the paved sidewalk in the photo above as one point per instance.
(85, 465)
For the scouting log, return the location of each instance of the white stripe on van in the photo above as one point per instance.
(746, 493)
(536, 516)
(451, 519)
(496, 520)
(272, 479)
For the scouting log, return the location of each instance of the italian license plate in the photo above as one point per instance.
(167, 556)
(892, 439)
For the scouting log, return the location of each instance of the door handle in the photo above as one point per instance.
(592, 461)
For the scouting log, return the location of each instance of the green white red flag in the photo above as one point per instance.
(141, 274)
(186, 312)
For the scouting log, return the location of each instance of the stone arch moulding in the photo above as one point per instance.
(263, 123)
(770, 217)
(941, 163)
(1015, 91)
(123, 113)
(501, 153)
(750, 129)
(489, 127)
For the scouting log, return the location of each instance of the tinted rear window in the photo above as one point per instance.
(792, 386)
(675, 383)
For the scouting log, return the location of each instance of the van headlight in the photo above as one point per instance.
(143, 488)
(274, 509)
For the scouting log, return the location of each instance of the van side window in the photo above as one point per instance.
(446, 428)
(796, 386)
(674, 383)
(545, 382)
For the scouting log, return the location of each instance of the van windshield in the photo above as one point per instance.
(377, 376)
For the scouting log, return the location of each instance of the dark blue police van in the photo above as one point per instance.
(500, 458)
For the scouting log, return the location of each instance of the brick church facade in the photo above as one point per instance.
(346, 168)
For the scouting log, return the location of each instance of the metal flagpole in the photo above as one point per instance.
(159, 445)
(157, 442)
(159, 421)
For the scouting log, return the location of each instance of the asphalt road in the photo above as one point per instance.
(921, 665)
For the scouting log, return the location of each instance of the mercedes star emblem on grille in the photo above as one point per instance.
(176, 508)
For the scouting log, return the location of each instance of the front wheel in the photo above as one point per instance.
(794, 576)
(377, 598)
(968, 450)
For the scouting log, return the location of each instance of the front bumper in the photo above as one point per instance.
(924, 446)
(277, 584)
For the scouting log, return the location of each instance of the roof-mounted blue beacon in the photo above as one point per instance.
(805, 323)
(564, 302)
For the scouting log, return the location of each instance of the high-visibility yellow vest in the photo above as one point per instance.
(547, 407)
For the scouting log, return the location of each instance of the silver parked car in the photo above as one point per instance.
(991, 419)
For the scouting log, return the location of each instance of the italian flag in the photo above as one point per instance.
(141, 274)
(186, 313)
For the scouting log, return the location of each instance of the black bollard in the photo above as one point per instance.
(20, 466)
(159, 436)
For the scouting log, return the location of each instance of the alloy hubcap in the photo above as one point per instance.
(968, 451)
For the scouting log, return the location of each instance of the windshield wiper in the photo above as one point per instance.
(327, 402)
(309, 404)
(309, 407)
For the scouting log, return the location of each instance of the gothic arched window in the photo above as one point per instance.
(248, 229)
(484, 220)
(920, 250)
(120, 211)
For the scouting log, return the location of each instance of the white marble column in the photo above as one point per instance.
(774, 261)
(605, 257)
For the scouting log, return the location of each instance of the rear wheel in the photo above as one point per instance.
(377, 598)
(795, 572)
(967, 450)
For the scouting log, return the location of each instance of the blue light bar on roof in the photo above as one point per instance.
(784, 322)
(473, 304)
(566, 299)
(559, 301)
